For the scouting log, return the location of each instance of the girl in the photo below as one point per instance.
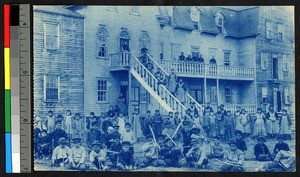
(67, 122)
(78, 126)
(212, 125)
(121, 122)
(220, 123)
(285, 125)
(259, 124)
(128, 136)
(272, 122)
(245, 122)
(136, 125)
(50, 122)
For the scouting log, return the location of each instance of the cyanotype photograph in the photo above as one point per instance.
(164, 88)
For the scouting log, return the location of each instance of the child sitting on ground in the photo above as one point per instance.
(261, 151)
(151, 156)
(98, 157)
(125, 157)
(196, 156)
(77, 155)
(216, 149)
(44, 145)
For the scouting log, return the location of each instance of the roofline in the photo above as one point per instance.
(227, 8)
(51, 12)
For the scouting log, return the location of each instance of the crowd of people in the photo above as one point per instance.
(110, 141)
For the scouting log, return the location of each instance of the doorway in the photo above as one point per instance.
(275, 68)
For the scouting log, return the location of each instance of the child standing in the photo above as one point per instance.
(136, 125)
(50, 122)
(128, 136)
(245, 123)
(121, 122)
(157, 123)
(147, 121)
(93, 135)
(168, 131)
(220, 122)
(77, 126)
(259, 123)
(180, 91)
(285, 125)
(212, 124)
(272, 122)
(229, 125)
(67, 122)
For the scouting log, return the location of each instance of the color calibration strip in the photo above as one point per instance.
(7, 94)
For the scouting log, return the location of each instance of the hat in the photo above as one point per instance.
(280, 137)
(238, 132)
(195, 130)
(62, 140)
(76, 139)
(149, 136)
(186, 122)
(232, 142)
(58, 122)
(260, 138)
(96, 143)
(126, 143)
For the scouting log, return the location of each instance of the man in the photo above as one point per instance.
(233, 159)
(60, 155)
(189, 58)
(57, 134)
(182, 57)
(77, 155)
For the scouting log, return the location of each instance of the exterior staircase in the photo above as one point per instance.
(188, 97)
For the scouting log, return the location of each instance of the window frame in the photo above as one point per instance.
(264, 96)
(287, 96)
(278, 31)
(45, 79)
(226, 61)
(228, 96)
(102, 90)
(174, 57)
(45, 35)
(100, 42)
(264, 60)
(268, 27)
(285, 63)
(193, 49)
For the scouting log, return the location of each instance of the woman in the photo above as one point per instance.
(136, 125)
(172, 82)
(121, 104)
(180, 91)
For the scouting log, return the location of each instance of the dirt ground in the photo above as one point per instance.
(250, 164)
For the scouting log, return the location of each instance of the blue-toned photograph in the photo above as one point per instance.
(164, 88)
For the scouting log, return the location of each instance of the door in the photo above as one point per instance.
(278, 93)
(275, 68)
(197, 94)
(124, 91)
(175, 51)
(135, 97)
(123, 42)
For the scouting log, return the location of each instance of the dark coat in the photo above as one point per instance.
(281, 146)
(261, 149)
(92, 136)
(56, 134)
(241, 145)
(126, 158)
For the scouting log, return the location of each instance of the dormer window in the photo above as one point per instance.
(219, 19)
(195, 16)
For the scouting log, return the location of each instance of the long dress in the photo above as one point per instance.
(272, 123)
(180, 92)
(172, 83)
(259, 125)
(229, 127)
(212, 126)
(50, 124)
(285, 125)
(68, 124)
(245, 122)
(136, 126)
(122, 106)
(121, 123)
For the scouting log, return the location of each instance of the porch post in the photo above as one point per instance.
(205, 90)
(129, 94)
(218, 92)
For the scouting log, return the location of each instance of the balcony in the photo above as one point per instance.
(120, 61)
(250, 108)
(191, 69)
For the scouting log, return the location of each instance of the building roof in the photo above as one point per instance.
(237, 23)
(59, 10)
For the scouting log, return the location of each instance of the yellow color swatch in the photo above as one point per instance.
(7, 68)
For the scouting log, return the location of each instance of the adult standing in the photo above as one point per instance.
(272, 122)
(121, 104)
(180, 91)
(172, 82)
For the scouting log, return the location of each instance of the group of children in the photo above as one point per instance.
(107, 142)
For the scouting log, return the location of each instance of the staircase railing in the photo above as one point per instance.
(159, 89)
(188, 97)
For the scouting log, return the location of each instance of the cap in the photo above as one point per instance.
(126, 143)
(260, 138)
(232, 142)
(62, 140)
(76, 139)
(186, 122)
(96, 143)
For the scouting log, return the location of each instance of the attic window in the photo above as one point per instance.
(195, 16)
(219, 19)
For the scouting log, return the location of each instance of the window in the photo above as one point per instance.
(287, 96)
(135, 10)
(220, 23)
(102, 90)
(135, 94)
(195, 17)
(264, 92)
(285, 62)
(226, 58)
(145, 41)
(143, 96)
(228, 98)
(175, 51)
(264, 60)
(212, 53)
(102, 42)
(195, 52)
(161, 50)
(213, 95)
(112, 8)
(51, 36)
(268, 29)
(51, 88)
(280, 31)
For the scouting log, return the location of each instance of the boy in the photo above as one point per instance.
(216, 149)
(196, 156)
(57, 134)
(77, 155)
(261, 151)
(241, 144)
(284, 161)
(98, 157)
(157, 123)
(128, 136)
(60, 155)
(147, 121)
(281, 145)
(110, 113)
(234, 159)
(186, 135)
(105, 123)
(168, 131)
(44, 145)
(177, 119)
(93, 135)
(115, 149)
(108, 137)
(125, 157)
(78, 126)
(151, 149)
(171, 154)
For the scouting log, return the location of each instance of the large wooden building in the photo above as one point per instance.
(248, 57)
